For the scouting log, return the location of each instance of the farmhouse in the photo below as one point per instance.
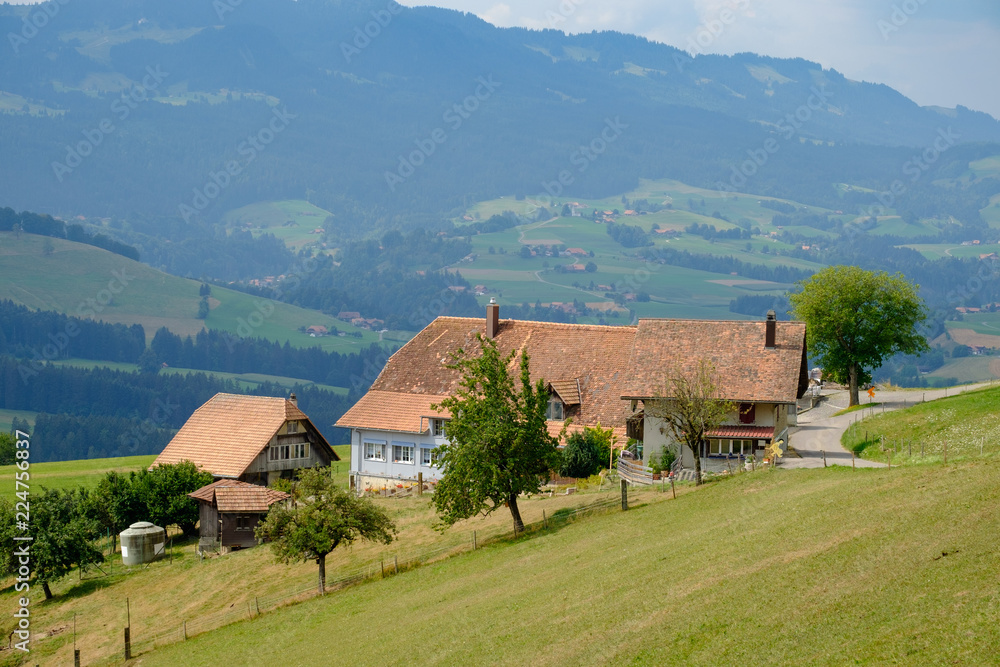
(255, 439)
(229, 510)
(595, 375)
(761, 367)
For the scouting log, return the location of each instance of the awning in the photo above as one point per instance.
(742, 432)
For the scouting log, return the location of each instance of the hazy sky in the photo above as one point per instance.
(937, 52)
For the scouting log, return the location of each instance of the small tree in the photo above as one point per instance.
(8, 447)
(691, 405)
(327, 517)
(586, 453)
(498, 443)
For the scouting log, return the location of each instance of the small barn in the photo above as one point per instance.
(229, 511)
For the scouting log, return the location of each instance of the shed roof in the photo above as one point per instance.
(234, 496)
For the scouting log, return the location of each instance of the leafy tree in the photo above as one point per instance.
(591, 267)
(328, 518)
(63, 536)
(8, 445)
(498, 443)
(690, 406)
(148, 362)
(856, 319)
(203, 308)
(18, 424)
(586, 453)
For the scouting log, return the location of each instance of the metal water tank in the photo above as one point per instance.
(142, 542)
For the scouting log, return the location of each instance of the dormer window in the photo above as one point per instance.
(555, 411)
(437, 427)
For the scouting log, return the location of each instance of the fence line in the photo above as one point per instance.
(388, 564)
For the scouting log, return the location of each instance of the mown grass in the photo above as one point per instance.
(968, 425)
(69, 474)
(824, 566)
(188, 589)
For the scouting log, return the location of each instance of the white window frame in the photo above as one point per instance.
(279, 453)
(438, 426)
(428, 458)
(293, 427)
(377, 449)
(300, 450)
(402, 452)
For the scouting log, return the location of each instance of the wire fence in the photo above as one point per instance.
(389, 564)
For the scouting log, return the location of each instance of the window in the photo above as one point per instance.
(748, 413)
(555, 409)
(402, 453)
(437, 426)
(427, 456)
(293, 427)
(280, 453)
(300, 450)
(243, 522)
(375, 451)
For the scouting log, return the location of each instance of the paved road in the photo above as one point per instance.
(820, 431)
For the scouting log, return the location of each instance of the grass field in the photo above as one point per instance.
(965, 422)
(73, 273)
(934, 251)
(292, 221)
(187, 588)
(70, 474)
(969, 369)
(827, 566)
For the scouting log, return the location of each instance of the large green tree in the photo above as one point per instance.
(328, 518)
(498, 443)
(855, 319)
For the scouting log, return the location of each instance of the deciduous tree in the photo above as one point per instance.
(327, 518)
(855, 319)
(498, 443)
(691, 405)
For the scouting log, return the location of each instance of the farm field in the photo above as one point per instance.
(976, 329)
(291, 221)
(824, 566)
(69, 474)
(73, 273)
(969, 369)
(934, 251)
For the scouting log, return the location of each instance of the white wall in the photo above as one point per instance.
(362, 467)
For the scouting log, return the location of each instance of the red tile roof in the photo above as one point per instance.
(593, 357)
(227, 433)
(747, 371)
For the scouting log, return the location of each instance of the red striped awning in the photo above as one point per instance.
(748, 432)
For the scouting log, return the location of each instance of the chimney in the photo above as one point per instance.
(769, 330)
(294, 400)
(492, 318)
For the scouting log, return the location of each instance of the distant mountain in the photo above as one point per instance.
(158, 110)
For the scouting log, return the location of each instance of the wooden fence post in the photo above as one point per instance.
(852, 460)
(545, 521)
(128, 645)
(673, 492)
(824, 457)
(420, 483)
(395, 564)
(473, 540)
(624, 495)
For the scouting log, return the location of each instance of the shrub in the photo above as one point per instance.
(586, 453)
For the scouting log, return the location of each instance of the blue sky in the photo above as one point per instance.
(937, 52)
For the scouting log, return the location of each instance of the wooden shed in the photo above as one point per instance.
(229, 511)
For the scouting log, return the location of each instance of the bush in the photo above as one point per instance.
(586, 453)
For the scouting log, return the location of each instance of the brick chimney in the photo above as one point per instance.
(769, 330)
(294, 400)
(492, 318)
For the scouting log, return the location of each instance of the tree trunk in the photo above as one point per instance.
(48, 591)
(696, 450)
(321, 561)
(515, 513)
(853, 375)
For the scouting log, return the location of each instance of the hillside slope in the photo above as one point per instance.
(821, 567)
(85, 281)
